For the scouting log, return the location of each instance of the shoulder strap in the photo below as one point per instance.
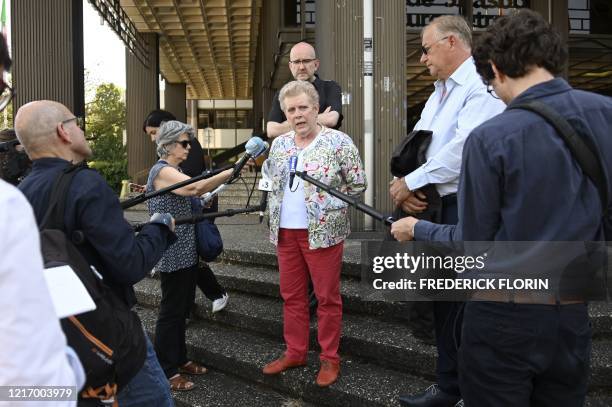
(584, 153)
(54, 217)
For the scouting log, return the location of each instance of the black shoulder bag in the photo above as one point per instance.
(109, 340)
(588, 158)
(584, 153)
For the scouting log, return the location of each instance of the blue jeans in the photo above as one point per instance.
(149, 387)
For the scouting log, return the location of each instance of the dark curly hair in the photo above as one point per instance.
(518, 42)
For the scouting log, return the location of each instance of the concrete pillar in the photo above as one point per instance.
(47, 51)
(557, 14)
(390, 104)
(175, 100)
(339, 43)
(142, 96)
(192, 116)
(324, 31)
(268, 51)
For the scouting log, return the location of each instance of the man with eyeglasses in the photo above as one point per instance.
(458, 103)
(33, 348)
(54, 141)
(520, 181)
(303, 64)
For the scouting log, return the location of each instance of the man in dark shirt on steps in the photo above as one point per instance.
(303, 63)
(53, 140)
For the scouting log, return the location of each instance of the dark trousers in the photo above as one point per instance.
(170, 328)
(524, 355)
(447, 320)
(207, 282)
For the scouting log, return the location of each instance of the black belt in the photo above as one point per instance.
(522, 298)
(449, 199)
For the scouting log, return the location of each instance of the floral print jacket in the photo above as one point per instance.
(333, 160)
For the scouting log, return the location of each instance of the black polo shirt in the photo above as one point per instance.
(329, 96)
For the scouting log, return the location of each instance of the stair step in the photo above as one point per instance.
(601, 318)
(239, 248)
(239, 193)
(244, 354)
(269, 259)
(598, 399)
(388, 344)
(217, 389)
(265, 281)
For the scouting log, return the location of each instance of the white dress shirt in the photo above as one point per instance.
(33, 349)
(452, 116)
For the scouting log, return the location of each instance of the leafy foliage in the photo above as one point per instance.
(105, 123)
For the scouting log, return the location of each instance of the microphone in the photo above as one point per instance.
(265, 186)
(292, 167)
(262, 205)
(254, 148)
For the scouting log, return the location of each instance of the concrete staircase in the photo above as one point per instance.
(381, 358)
(236, 195)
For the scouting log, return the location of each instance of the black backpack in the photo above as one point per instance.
(109, 340)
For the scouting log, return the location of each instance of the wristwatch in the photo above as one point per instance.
(163, 218)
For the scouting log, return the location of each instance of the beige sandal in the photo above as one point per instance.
(192, 368)
(180, 383)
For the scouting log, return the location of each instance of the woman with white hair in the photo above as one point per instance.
(178, 268)
(309, 226)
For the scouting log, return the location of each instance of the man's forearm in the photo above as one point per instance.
(274, 129)
(329, 119)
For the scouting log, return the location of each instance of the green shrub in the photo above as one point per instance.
(112, 171)
(106, 121)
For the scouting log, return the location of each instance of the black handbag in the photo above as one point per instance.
(410, 153)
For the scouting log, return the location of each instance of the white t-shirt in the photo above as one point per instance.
(293, 213)
(33, 349)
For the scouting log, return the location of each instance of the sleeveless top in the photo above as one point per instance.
(182, 253)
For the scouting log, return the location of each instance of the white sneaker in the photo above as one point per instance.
(219, 303)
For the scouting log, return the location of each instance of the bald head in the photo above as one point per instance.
(304, 49)
(303, 61)
(36, 122)
(39, 128)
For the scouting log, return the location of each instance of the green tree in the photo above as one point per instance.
(105, 122)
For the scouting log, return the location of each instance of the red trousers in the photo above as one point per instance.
(296, 262)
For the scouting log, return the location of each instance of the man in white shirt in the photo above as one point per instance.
(459, 103)
(33, 349)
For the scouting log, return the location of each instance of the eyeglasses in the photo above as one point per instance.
(425, 50)
(80, 121)
(6, 94)
(183, 143)
(491, 91)
(302, 61)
